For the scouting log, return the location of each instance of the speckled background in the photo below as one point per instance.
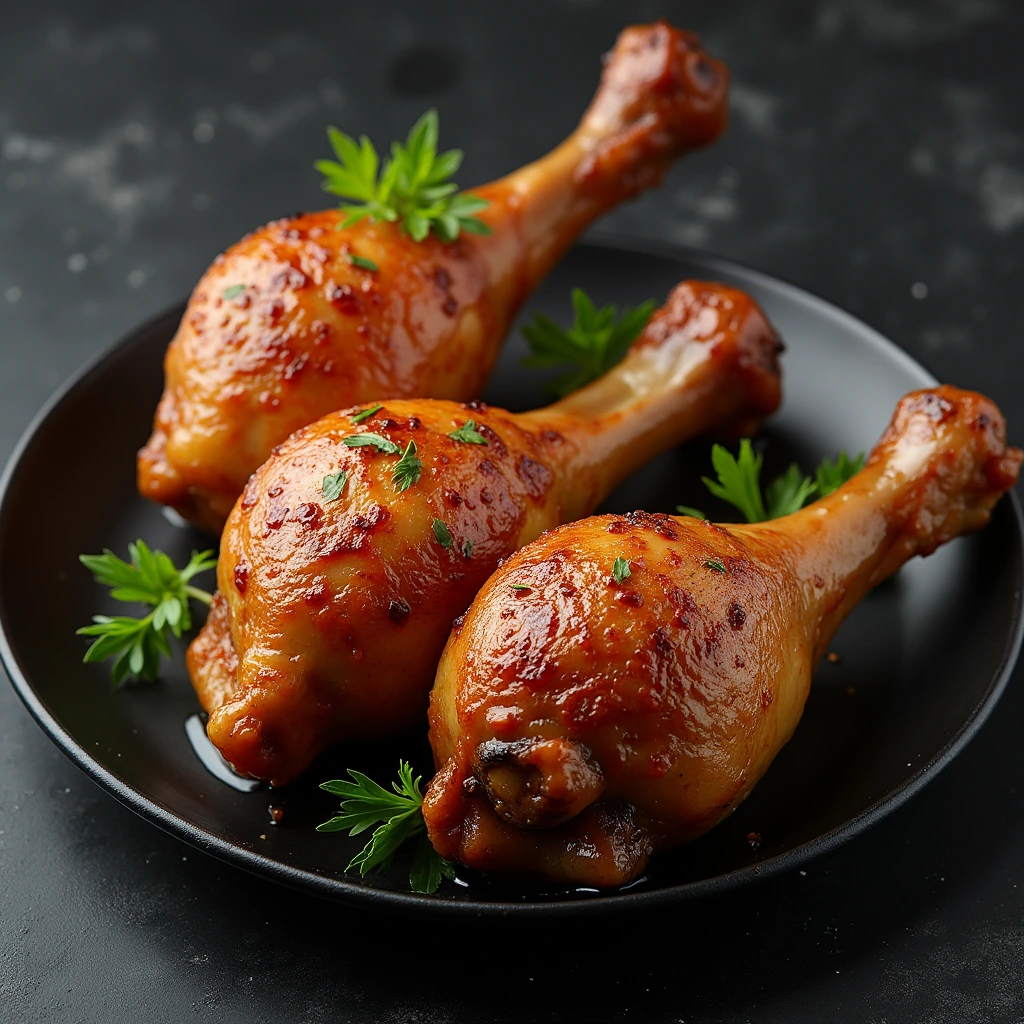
(876, 156)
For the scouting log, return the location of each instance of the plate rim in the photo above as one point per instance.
(359, 894)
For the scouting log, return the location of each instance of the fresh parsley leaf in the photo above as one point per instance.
(597, 340)
(788, 493)
(620, 570)
(717, 564)
(233, 291)
(398, 817)
(412, 187)
(467, 548)
(149, 578)
(830, 476)
(468, 434)
(334, 484)
(408, 468)
(365, 414)
(443, 534)
(362, 261)
(739, 483)
(739, 480)
(521, 587)
(382, 444)
(689, 510)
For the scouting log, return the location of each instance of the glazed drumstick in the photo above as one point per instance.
(580, 724)
(332, 612)
(309, 333)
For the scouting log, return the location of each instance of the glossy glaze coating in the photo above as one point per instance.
(310, 332)
(331, 615)
(580, 724)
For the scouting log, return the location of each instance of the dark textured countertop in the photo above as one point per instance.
(876, 156)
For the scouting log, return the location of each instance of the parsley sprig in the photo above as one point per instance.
(597, 340)
(739, 483)
(398, 815)
(412, 186)
(149, 578)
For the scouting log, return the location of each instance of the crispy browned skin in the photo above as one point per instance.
(581, 724)
(331, 615)
(312, 333)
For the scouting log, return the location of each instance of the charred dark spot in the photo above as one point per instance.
(495, 442)
(736, 615)
(289, 278)
(344, 298)
(309, 513)
(241, 576)
(738, 661)
(388, 424)
(442, 278)
(535, 475)
(667, 528)
(486, 467)
(618, 526)
(818, 581)
(660, 641)
(450, 306)
(631, 598)
(373, 518)
(398, 611)
(275, 491)
(470, 785)
(274, 311)
(452, 498)
(475, 406)
(276, 517)
(459, 620)
(413, 423)
(251, 494)
(552, 437)
(486, 498)
(567, 590)
(982, 421)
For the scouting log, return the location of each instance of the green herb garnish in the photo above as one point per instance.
(739, 483)
(333, 485)
(443, 534)
(716, 564)
(468, 434)
(365, 414)
(412, 186)
(233, 291)
(362, 261)
(408, 468)
(398, 815)
(520, 586)
(597, 340)
(382, 444)
(620, 570)
(830, 476)
(149, 578)
(467, 548)
(689, 510)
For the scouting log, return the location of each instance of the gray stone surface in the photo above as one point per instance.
(876, 156)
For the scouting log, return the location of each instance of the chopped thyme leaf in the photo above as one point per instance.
(521, 586)
(382, 444)
(716, 564)
(365, 414)
(408, 468)
(467, 548)
(333, 485)
(442, 534)
(362, 261)
(233, 291)
(468, 434)
(620, 570)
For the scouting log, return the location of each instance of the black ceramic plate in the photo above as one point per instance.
(922, 660)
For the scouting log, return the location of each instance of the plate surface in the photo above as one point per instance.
(922, 660)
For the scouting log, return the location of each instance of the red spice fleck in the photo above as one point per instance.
(736, 615)
(631, 598)
(242, 576)
(276, 517)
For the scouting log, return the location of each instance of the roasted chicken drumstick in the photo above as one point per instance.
(343, 564)
(581, 723)
(283, 328)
